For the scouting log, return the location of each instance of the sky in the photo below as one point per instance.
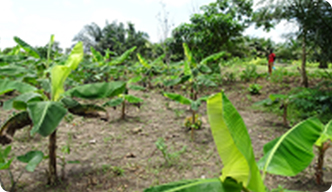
(35, 20)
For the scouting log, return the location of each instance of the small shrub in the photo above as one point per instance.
(254, 89)
(249, 73)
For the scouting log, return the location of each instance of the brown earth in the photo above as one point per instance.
(120, 155)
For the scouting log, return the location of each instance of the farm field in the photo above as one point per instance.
(121, 154)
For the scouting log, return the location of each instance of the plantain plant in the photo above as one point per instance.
(150, 69)
(194, 75)
(125, 97)
(44, 111)
(286, 155)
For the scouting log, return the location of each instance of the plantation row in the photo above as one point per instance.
(50, 88)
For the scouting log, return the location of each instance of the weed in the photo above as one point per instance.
(249, 73)
(254, 89)
(170, 158)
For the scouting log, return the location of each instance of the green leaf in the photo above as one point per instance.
(136, 87)
(75, 57)
(189, 57)
(32, 158)
(134, 79)
(326, 135)
(178, 98)
(197, 185)
(7, 150)
(59, 75)
(20, 102)
(97, 57)
(274, 97)
(12, 70)
(28, 48)
(195, 105)
(7, 85)
(74, 162)
(98, 90)
(233, 143)
(132, 99)
(291, 153)
(6, 165)
(143, 61)
(46, 116)
(114, 102)
(204, 69)
(212, 58)
(50, 44)
(123, 57)
(69, 102)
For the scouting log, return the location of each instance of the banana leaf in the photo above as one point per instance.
(97, 90)
(178, 98)
(7, 85)
(291, 153)
(32, 158)
(233, 143)
(123, 57)
(326, 135)
(28, 48)
(20, 102)
(46, 116)
(198, 185)
(143, 61)
(14, 123)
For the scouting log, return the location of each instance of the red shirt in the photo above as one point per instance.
(271, 57)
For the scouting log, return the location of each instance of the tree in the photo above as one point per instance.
(114, 37)
(309, 15)
(215, 29)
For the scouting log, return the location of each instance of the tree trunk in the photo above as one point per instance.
(323, 64)
(304, 56)
(52, 162)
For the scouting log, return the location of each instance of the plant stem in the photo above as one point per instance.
(52, 162)
(192, 127)
(320, 162)
(123, 113)
(285, 115)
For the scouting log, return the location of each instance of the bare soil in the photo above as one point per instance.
(121, 155)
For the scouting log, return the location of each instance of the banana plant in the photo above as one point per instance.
(45, 111)
(108, 65)
(124, 97)
(194, 74)
(194, 106)
(150, 69)
(292, 152)
(239, 172)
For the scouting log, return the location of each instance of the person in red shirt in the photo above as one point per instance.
(272, 58)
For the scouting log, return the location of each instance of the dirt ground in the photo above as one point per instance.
(121, 155)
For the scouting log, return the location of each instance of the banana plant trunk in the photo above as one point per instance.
(52, 162)
(320, 162)
(194, 98)
(123, 112)
(304, 56)
(285, 115)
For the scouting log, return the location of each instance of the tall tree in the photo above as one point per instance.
(308, 14)
(216, 28)
(114, 36)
